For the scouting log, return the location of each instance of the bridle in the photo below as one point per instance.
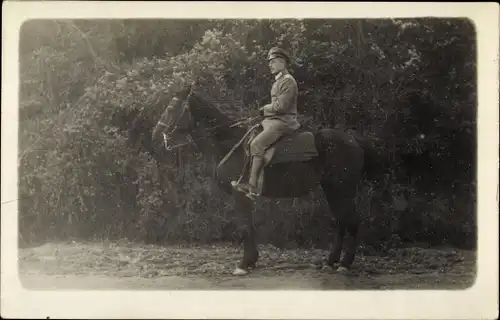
(167, 137)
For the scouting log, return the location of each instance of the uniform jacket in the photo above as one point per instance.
(283, 106)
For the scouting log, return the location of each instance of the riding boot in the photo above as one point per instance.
(257, 165)
(250, 189)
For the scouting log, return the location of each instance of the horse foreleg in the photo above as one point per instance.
(244, 209)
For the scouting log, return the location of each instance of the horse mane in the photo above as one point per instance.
(206, 110)
(207, 113)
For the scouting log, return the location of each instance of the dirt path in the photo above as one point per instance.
(125, 266)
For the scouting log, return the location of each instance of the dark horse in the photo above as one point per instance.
(337, 168)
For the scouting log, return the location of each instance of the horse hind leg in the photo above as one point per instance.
(350, 221)
(345, 222)
(337, 244)
(352, 229)
(338, 227)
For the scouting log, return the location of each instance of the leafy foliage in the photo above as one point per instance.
(91, 93)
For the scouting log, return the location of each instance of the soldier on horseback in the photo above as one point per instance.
(280, 117)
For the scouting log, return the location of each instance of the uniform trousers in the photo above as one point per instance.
(273, 130)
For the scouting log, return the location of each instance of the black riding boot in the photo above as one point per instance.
(250, 189)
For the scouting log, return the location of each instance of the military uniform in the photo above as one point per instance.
(280, 115)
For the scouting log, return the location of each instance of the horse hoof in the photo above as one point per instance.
(326, 268)
(342, 269)
(239, 272)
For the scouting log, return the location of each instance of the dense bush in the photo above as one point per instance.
(91, 93)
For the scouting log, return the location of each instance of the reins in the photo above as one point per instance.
(191, 140)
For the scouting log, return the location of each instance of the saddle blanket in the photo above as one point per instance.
(290, 175)
(290, 152)
(292, 148)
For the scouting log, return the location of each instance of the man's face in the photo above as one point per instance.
(276, 65)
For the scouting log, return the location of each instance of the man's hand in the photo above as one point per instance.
(262, 110)
(264, 107)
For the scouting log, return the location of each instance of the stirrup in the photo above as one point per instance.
(245, 188)
(242, 187)
(252, 195)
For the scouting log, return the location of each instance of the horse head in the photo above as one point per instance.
(176, 120)
(189, 118)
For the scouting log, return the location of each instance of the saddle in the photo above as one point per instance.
(292, 147)
(298, 146)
